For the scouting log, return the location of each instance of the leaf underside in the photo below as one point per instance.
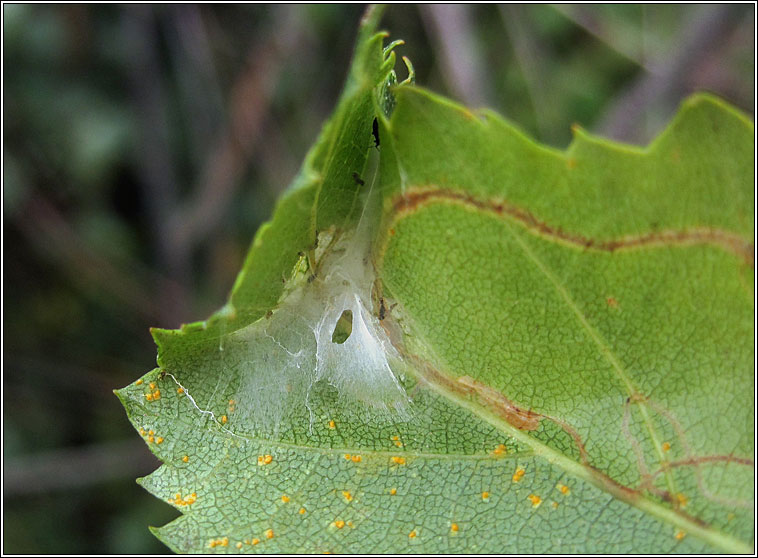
(569, 333)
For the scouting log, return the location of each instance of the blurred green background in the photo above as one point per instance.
(144, 145)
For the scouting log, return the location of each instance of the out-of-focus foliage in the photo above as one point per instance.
(143, 145)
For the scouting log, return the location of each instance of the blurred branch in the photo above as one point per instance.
(199, 88)
(586, 18)
(529, 54)
(75, 468)
(228, 159)
(155, 161)
(49, 233)
(453, 32)
(666, 82)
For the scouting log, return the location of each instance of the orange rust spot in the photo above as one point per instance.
(238, 545)
(682, 500)
(612, 302)
(485, 495)
(339, 524)
(301, 511)
(269, 533)
(564, 489)
(149, 396)
(332, 425)
(185, 458)
(680, 535)
(347, 456)
(518, 475)
(138, 382)
(180, 390)
(142, 431)
(224, 419)
(151, 439)
(535, 500)
(152, 385)
(454, 527)
(398, 460)
(392, 232)
(255, 541)
(555, 505)
(393, 491)
(356, 459)
(285, 498)
(159, 440)
(499, 450)
(347, 496)
(665, 446)
(412, 534)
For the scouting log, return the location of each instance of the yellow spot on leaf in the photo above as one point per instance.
(682, 499)
(499, 450)
(680, 535)
(238, 545)
(151, 439)
(149, 396)
(555, 505)
(156, 394)
(564, 489)
(285, 498)
(347, 456)
(142, 431)
(332, 425)
(151, 432)
(393, 491)
(138, 383)
(346, 494)
(152, 385)
(159, 440)
(269, 533)
(223, 419)
(398, 460)
(255, 541)
(666, 446)
(535, 500)
(518, 475)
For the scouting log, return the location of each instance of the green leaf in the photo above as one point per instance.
(463, 341)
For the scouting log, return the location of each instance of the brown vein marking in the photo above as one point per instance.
(418, 197)
(691, 459)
